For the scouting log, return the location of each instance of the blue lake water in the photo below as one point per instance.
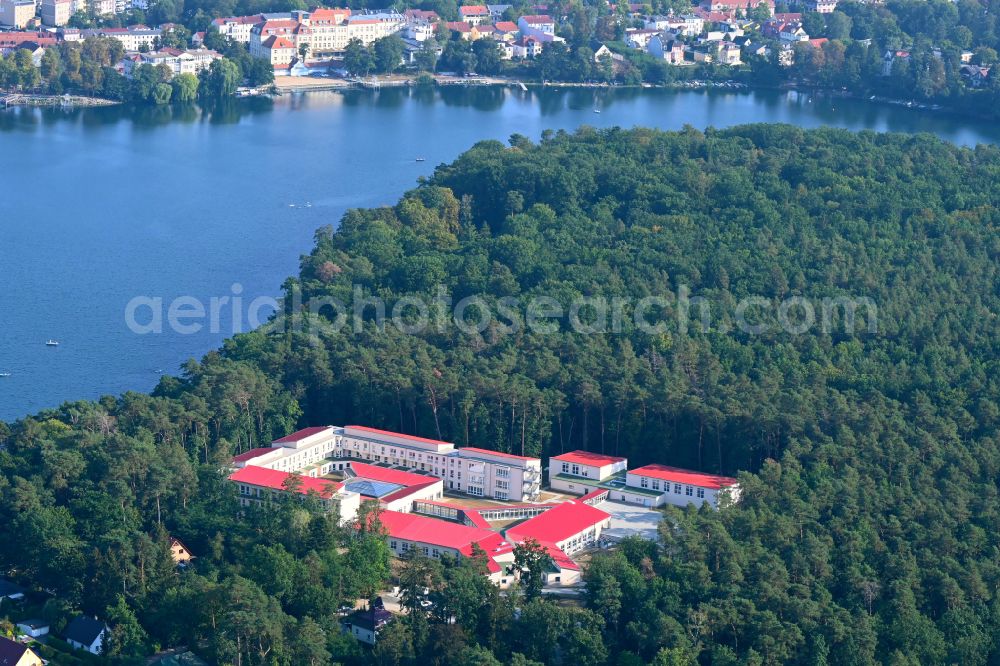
(100, 206)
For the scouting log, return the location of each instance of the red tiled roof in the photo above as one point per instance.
(412, 527)
(559, 523)
(473, 10)
(458, 26)
(687, 476)
(588, 458)
(323, 14)
(272, 478)
(376, 431)
(537, 18)
(505, 26)
(252, 453)
(376, 473)
(299, 435)
(512, 456)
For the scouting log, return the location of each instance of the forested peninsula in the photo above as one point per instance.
(868, 529)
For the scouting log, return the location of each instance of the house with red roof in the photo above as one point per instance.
(656, 485)
(578, 471)
(535, 24)
(474, 14)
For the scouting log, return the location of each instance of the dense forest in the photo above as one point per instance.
(868, 529)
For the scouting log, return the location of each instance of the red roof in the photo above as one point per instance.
(537, 18)
(476, 519)
(505, 26)
(376, 473)
(376, 431)
(588, 458)
(412, 527)
(473, 449)
(473, 10)
(272, 478)
(687, 476)
(299, 435)
(559, 523)
(252, 453)
(458, 26)
(322, 15)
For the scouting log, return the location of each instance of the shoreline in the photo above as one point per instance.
(299, 85)
(8, 100)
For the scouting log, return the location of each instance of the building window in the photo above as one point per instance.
(475, 490)
(436, 553)
(677, 488)
(576, 469)
(501, 495)
(565, 468)
(503, 472)
(393, 544)
(656, 484)
(405, 547)
(688, 491)
(503, 485)
(701, 493)
(643, 482)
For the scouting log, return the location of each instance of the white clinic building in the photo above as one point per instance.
(657, 485)
(578, 472)
(472, 471)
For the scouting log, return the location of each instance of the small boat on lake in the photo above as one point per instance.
(52, 343)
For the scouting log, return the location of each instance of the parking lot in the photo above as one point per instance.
(629, 519)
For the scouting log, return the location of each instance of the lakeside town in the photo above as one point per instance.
(742, 42)
(426, 498)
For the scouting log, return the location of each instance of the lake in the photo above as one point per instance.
(100, 206)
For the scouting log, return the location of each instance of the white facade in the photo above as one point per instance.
(590, 468)
(657, 485)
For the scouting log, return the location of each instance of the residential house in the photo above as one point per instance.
(537, 24)
(422, 15)
(13, 653)
(464, 30)
(742, 6)
(728, 53)
(505, 31)
(365, 625)
(373, 26)
(497, 11)
(822, 6)
(638, 38)
(8, 589)
(33, 628)
(667, 47)
(86, 633)
(793, 32)
(890, 57)
(474, 14)
(975, 76)
(179, 552)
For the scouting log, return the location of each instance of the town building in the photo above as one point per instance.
(190, 61)
(133, 38)
(667, 47)
(86, 633)
(535, 24)
(13, 653)
(237, 28)
(393, 489)
(17, 13)
(657, 485)
(822, 6)
(56, 12)
(497, 11)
